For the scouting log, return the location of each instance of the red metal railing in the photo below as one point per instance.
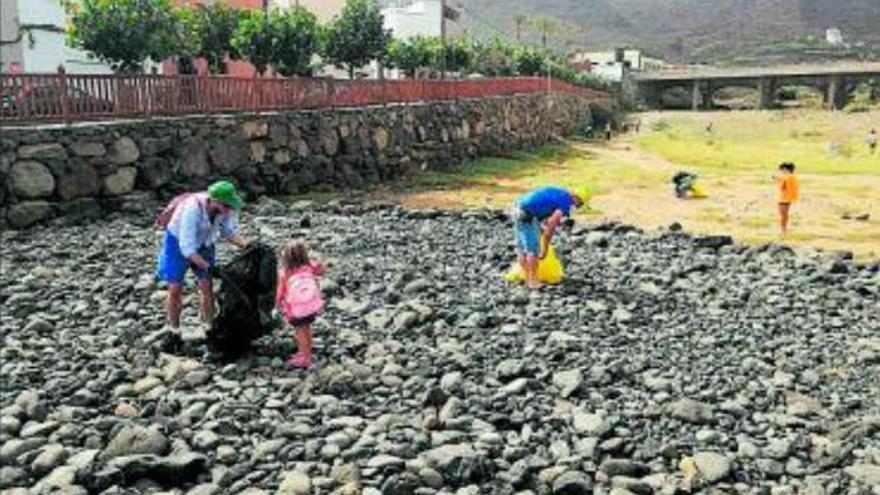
(68, 97)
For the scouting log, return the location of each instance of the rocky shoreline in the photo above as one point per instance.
(666, 363)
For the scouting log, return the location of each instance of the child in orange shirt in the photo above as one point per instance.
(788, 192)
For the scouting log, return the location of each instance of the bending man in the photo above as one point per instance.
(198, 220)
(536, 217)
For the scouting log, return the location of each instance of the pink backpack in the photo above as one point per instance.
(303, 298)
(164, 218)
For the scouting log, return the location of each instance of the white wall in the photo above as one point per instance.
(612, 72)
(419, 18)
(42, 49)
(10, 53)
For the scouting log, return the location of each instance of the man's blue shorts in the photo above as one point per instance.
(172, 265)
(527, 233)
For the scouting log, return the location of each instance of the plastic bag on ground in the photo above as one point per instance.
(550, 270)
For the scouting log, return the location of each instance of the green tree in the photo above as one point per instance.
(457, 56)
(356, 37)
(125, 33)
(493, 58)
(531, 61)
(213, 26)
(283, 39)
(297, 37)
(254, 39)
(412, 54)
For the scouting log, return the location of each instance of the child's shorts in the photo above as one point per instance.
(302, 322)
(172, 265)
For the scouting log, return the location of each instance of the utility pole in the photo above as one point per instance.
(443, 38)
(520, 19)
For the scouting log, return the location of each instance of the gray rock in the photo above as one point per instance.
(120, 182)
(124, 151)
(155, 146)
(11, 449)
(194, 160)
(867, 474)
(457, 462)
(713, 467)
(431, 478)
(572, 483)
(87, 149)
(29, 179)
(50, 151)
(451, 382)
(568, 382)
(691, 411)
(25, 214)
(591, 424)
(510, 369)
(205, 439)
(294, 483)
(624, 467)
(12, 476)
(9, 426)
(778, 449)
(134, 439)
(78, 180)
(50, 458)
(204, 489)
(33, 406)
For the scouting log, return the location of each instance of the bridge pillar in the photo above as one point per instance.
(650, 93)
(766, 93)
(834, 97)
(701, 96)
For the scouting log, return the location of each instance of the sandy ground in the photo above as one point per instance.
(741, 204)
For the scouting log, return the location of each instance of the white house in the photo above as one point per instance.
(834, 36)
(611, 65)
(32, 39)
(410, 18)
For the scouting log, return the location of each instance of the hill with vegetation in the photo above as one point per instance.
(686, 31)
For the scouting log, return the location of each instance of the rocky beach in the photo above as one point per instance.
(666, 363)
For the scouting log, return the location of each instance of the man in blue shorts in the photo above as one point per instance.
(536, 217)
(196, 223)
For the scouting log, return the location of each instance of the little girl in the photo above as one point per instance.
(299, 299)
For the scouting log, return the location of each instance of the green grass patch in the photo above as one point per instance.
(818, 142)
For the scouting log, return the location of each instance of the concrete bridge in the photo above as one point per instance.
(834, 81)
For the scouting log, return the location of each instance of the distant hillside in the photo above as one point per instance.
(693, 31)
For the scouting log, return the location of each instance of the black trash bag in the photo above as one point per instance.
(245, 299)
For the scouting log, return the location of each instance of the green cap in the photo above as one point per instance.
(224, 192)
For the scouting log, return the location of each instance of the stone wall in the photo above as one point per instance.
(85, 170)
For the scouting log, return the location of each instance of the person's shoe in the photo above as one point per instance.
(299, 361)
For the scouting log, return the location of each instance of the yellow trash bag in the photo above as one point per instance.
(550, 270)
(698, 192)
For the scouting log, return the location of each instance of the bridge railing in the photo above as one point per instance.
(76, 97)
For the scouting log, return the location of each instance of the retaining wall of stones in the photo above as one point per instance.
(83, 171)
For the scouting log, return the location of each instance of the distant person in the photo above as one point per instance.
(608, 131)
(871, 141)
(536, 217)
(193, 222)
(833, 148)
(788, 193)
(299, 299)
